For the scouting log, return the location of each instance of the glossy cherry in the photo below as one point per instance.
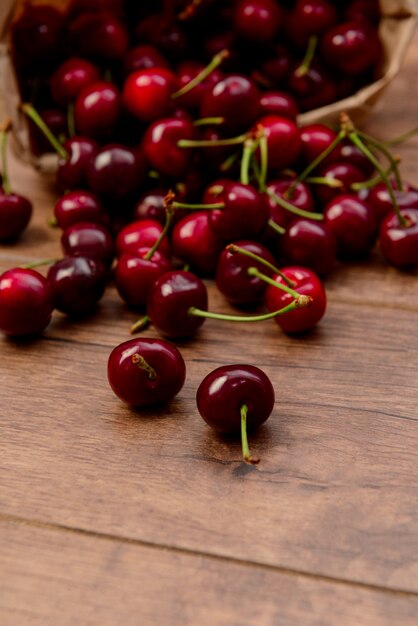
(143, 57)
(309, 244)
(314, 88)
(305, 282)
(234, 399)
(169, 301)
(348, 153)
(278, 103)
(72, 168)
(78, 206)
(187, 71)
(145, 372)
(345, 173)
(399, 244)
(315, 139)
(78, 283)
(36, 34)
(301, 197)
(97, 109)
(258, 20)
(135, 274)
(26, 302)
(141, 234)
(276, 67)
(99, 34)
(236, 99)
(352, 47)
(57, 122)
(283, 140)
(151, 206)
(147, 93)
(160, 146)
(381, 202)
(71, 77)
(116, 172)
(88, 240)
(194, 242)
(353, 224)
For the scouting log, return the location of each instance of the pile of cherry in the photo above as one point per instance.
(194, 173)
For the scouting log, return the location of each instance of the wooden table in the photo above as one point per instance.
(112, 517)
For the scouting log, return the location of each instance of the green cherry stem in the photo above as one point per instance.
(141, 324)
(199, 207)
(264, 159)
(372, 182)
(201, 76)
(293, 209)
(4, 132)
(300, 302)
(334, 183)
(277, 229)
(206, 121)
(234, 249)
(378, 145)
(169, 212)
(30, 266)
(211, 143)
(401, 138)
(250, 146)
(31, 112)
(229, 162)
(253, 271)
(308, 58)
(138, 359)
(246, 454)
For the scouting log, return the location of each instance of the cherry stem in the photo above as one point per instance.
(169, 211)
(206, 121)
(200, 207)
(353, 136)
(308, 58)
(253, 271)
(392, 160)
(139, 360)
(300, 302)
(141, 324)
(201, 76)
(30, 266)
(211, 143)
(250, 146)
(334, 183)
(229, 162)
(246, 454)
(31, 112)
(401, 138)
(276, 227)
(70, 119)
(372, 182)
(234, 249)
(293, 209)
(190, 10)
(4, 132)
(264, 159)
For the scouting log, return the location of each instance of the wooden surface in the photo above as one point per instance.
(112, 517)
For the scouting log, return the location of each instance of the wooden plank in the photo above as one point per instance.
(85, 580)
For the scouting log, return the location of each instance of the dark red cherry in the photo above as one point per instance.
(36, 34)
(71, 77)
(194, 242)
(301, 197)
(116, 172)
(349, 153)
(141, 234)
(276, 67)
(346, 173)
(78, 283)
(15, 214)
(150, 206)
(353, 224)
(352, 47)
(97, 109)
(187, 71)
(135, 275)
(166, 35)
(278, 103)
(88, 240)
(78, 206)
(99, 34)
(258, 20)
(305, 282)
(312, 89)
(160, 146)
(311, 17)
(72, 171)
(56, 121)
(283, 140)
(232, 278)
(147, 93)
(169, 301)
(26, 302)
(78, 7)
(146, 372)
(236, 99)
(143, 57)
(315, 139)
(381, 202)
(399, 244)
(309, 244)
(360, 10)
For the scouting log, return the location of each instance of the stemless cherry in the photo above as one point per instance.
(143, 57)
(309, 244)
(278, 103)
(234, 399)
(141, 234)
(399, 244)
(99, 34)
(89, 240)
(353, 225)
(97, 109)
(72, 168)
(315, 139)
(313, 88)
(194, 242)
(161, 149)
(146, 372)
(236, 99)
(151, 206)
(36, 34)
(169, 301)
(78, 283)
(351, 46)
(258, 20)
(78, 206)
(276, 67)
(147, 93)
(135, 274)
(116, 172)
(71, 77)
(26, 302)
(310, 17)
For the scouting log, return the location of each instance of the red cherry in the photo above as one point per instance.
(70, 78)
(236, 99)
(360, 10)
(147, 93)
(78, 206)
(141, 234)
(135, 275)
(26, 302)
(161, 149)
(381, 202)
(194, 242)
(276, 67)
(72, 170)
(57, 123)
(97, 110)
(278, 103)
(116, 172)
(301, 198)
(78, 283)
(399, 244)
(305, 283)
(258, 20)
(351, 154)
(310, 244)
(346, 173)
(36, 34)
(88, 240)
(315, 139)
(146, 372)
(187, 71)
(314, 88)
(99, 34)
(283, 140)
(352, 47)
(353, 225)
(15, 214)
(143, 57)
(150, 206)
(311, 17)
(166, 35)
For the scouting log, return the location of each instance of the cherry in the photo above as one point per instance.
(164, 34)
(276, 68)
(236, 99)
(145, 372)
(78, 206)
(169, 301)
(116, 172)
(315, 139)
(187, 72)
(353, 225)
(283, 140)
(194, 242)
(26, 302)
(141, 234)
(345, 173)
(399, 244)
(232, 278)
(97, 109)
(78, 283)
(381, 202)
(258, 20)
(36, 34)
(147, 93)
(311, 17)
(235, 398)
(88, 240)
(161, 149)
(151, 206)
(351, 154)
(309, 244)
(306, 283)
(73, 164)
(57, 122)
(278, 103)
(143, 57)
(71, 77)
(135, 275)
(301, 197)
(352, 47)
(360, 10)
(313, 88)
(99, 34)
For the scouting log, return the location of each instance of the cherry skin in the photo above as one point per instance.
(194, 242)
(145, 372)
(346, 173)
(78, 283)
(169, 301)
(276, 68)
(257, 20)
(360, 10)
(236, 99)
(26, 302)
(315, 139)
(379, 199)
(134, 276)
(278, 103)
(353, 224)
(307, 283)
(187, 71)
(78, 206)
(283, 140)
(116, 172)
(143, 57)
(70, 78)
(160, 146)
(301, 198)
(309, 244)
(57, 123)
(15, 214)
(150, 206)
(348, 153)
(314, 88)
(97, 109)
(232, 278)
(141, 234)
(88, 240)
(310, 17)
(352, 47)
(72, 171)
(399, 244)
(36, 34)
(99, 34)
(147, 93)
